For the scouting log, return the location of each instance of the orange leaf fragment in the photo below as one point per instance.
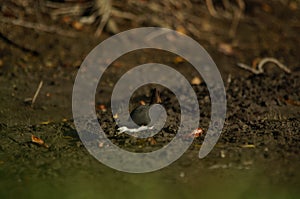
(196, 81)
(77, 25)
(102, 107)
(197, 132)
(266, 7)
(46, 122)
(293, 5)
(38, 141)
(255, 62)
(178, 60)
(181, 29)
(226, 49)
(66, 19)
(100, 144)
(142, 102)
(152, 141)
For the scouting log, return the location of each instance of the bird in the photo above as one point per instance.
(140, 114)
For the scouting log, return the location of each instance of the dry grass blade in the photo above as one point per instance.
(37, 26)
(259, 69)
(36, 93)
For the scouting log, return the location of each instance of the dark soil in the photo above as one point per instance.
(257, 155)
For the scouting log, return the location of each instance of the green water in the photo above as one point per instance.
(176, 181)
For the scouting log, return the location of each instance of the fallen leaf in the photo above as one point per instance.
(142, 102)
(181, 30)
(197, 133)
(66, 19)
(152, 141)
(196, 81)
(118, 64)
(266, 7)
(255, 62)
(102, 107)
(293, 5)
(38, 141)
(46, 122)
(222, 154)
(77, 25)
(101, 144)
(178, 60)
(225, 48)
(248, 146)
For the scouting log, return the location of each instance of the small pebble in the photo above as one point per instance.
(182, 175)
(222, 154)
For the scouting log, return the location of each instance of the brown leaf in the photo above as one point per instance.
(266, 7)
(196, 81)
(38, 141)
(226, 49)
(142, 102)
(197, 132)
(152, 141)
(77, 25)
(178, 60)
(102, 107)
(181, 29)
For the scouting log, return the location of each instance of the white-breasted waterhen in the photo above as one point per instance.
(140, 115)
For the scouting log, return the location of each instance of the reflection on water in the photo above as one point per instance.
(183, 179)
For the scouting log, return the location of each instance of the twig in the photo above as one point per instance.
(229, 79)
(104, 9)
(236, 18)
(211, 9)
(23, 48)
(124, 15)
(262, 62)
(37, 26)
(36, 93)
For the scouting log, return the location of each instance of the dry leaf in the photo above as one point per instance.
(226, 49)
(178, 60)
(46, 122)
(293, 5)
(266, 7)
(66, 19)
(248, 146)
(152, 141)
(222, 154)
(142, 102)
(101, 144)
(197, 133)
(118, 64)
(196, 81)
(181, 29)
(38, 141)
(255, 62)
(77, 25)
(102, 107)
